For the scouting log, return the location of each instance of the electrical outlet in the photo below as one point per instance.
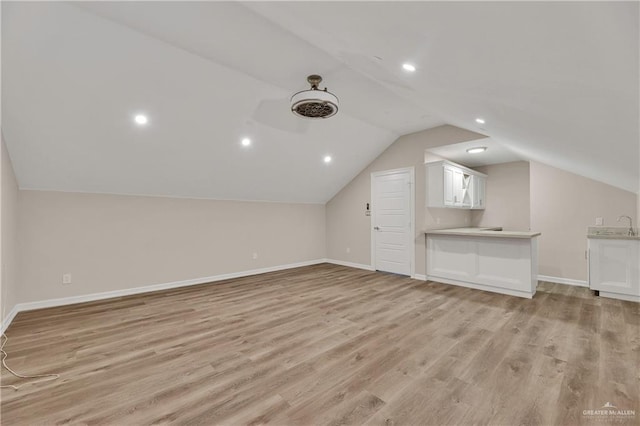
(66, 278)
(255, 256)
(348, 250)
(599, 221)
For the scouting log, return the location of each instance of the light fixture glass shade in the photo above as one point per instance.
(477, 150)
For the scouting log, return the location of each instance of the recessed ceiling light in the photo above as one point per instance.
(246, 142)
(477, 150)
(141, 119)
(480, 120)
(327, 159)
(408, 67)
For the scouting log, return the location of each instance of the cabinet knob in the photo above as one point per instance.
(376, 228)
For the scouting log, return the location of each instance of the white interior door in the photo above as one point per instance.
(392, 234)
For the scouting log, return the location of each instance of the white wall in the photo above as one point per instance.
(9, 240)
(507, 197)
(559, 204)
(347, 225)
(112, 242)
(563, 205)
(3, 298)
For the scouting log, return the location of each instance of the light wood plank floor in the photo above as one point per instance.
(328, 345)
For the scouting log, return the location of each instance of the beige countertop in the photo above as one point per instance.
(494, 232)
(614, 237)
(611, 233)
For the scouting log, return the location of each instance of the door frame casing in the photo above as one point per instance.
(412, 209)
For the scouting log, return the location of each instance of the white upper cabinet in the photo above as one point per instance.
(454, 186)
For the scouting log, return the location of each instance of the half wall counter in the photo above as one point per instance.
(484, 258)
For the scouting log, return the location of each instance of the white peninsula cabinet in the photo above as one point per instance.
(484, 258)
(451, 185)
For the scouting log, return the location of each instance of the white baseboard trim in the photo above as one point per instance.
(10, 316)
(50, 303)
(567, 281)
(507, 291)
(368, 267)
(628, 297)
(350, 264)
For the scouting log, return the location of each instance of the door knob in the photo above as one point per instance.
(376, 228)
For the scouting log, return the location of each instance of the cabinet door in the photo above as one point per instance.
(613, 266)
(449, 194)
(466, 192)
(478, 189)
(458, 185)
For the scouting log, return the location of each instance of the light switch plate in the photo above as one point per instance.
(599, 221)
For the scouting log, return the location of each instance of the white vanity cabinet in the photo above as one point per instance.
(454, 186)
(614, 267)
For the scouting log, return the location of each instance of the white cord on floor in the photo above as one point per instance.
(22, 376)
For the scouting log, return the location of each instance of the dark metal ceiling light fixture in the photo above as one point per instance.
(314, 103)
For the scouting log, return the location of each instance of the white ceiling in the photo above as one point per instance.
(555, 82)
(495, 153)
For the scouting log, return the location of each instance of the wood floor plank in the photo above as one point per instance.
(331, 345)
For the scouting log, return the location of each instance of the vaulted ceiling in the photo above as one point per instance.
(555, 83)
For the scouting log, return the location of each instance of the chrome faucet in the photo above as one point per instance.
(631, 233)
